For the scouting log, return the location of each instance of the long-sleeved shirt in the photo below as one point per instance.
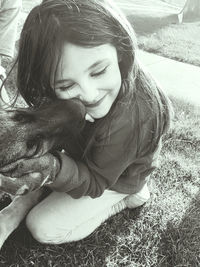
(121, 160)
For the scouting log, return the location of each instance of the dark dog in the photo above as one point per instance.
(27, 133)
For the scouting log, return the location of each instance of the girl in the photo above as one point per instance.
(86, 50)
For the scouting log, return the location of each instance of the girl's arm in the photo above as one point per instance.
(120, 161)
(127, 147)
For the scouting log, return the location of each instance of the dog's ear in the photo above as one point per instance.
(24, 116)
(30, 114)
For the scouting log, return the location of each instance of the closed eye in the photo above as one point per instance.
(99, 73)
(64, 88)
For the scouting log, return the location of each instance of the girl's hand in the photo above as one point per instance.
(26, 175)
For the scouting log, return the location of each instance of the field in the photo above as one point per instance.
(165, 231)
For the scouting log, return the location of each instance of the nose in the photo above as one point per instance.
(89, 93)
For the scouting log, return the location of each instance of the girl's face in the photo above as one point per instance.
(91, 75)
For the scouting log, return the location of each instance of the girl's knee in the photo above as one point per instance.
(37, 226)
(44, 230)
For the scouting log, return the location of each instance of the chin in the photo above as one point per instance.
(99, 115)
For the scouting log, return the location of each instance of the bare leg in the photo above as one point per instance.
(13, 214)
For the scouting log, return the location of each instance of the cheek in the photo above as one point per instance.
(63, 95)
(115, 79)
(59, 95)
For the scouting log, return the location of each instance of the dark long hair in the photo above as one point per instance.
(86, 23)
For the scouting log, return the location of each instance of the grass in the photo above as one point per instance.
(165, 37)
(164, 232)
(175, 41)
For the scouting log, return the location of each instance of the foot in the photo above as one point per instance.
(138, 199)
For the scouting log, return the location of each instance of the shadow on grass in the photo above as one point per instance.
(180, 244)
(20, 249)
(150, 24)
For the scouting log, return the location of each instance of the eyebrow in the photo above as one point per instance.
(96, 64)
(91, 67)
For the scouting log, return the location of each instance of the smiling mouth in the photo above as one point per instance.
(96, 103)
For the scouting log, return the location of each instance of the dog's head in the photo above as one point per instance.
(33, 132)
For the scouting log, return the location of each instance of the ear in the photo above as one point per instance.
(23, 116)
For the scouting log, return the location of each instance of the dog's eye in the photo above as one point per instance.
(30, 143)
(35, 141)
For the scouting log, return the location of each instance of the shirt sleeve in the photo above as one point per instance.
(107, 160)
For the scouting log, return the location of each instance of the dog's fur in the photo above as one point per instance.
(32, 133)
